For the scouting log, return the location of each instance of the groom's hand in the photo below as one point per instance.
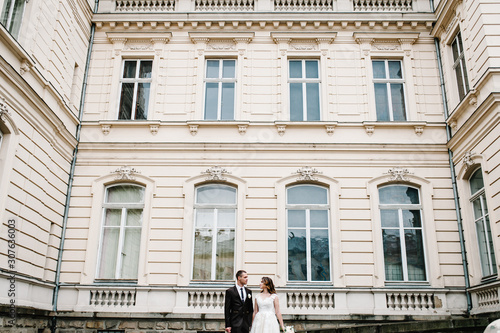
(228, 329)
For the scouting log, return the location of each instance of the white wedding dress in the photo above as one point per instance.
(265, 320)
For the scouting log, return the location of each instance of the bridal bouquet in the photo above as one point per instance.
(289, 329)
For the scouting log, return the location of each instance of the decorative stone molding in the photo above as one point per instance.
(302, 41)
(398, 174)
(242, 129)
(307, 174)
(215, 173)
(25, 67)
(386, 42)
(419, 129)
(105, 128)
(153, 128)
(369, 129)
(281, 129)
(330, 129)
(3, 108)
(193, 129)
(467, 159)
(125, 173)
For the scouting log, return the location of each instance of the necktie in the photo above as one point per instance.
(242, 296)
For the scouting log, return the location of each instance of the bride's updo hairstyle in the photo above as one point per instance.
(268, 282)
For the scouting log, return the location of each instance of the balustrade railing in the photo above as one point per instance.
(410, 301)
(206, 299)
(303, 5)
(112, 298)
(383, 5)
(145, 5)
(487, 297)
(224, 5)
(310, 300)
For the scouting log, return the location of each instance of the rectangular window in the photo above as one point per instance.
(304, 90)
(121, 232)
(215, 230)
(12, 14)
(135, 86)
(459, 66)
(307, 212)
(220, 87)
(389, 85)
(402, 233)
(482, 221)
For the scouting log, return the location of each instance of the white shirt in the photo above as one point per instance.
(239, 292)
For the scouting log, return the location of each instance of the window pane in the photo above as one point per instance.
(202, 263)
(307, 195)
(145, 70)
(130, 253)
(109, 252)
(478, 212)
(320, 258)
(378, 69)
(216, 194)
(312, 90)
(485, 243)
(126, 100)
(295, 69)
(476, 181)
(390, 218)
(460, 81)
(226, 218)
(142, 101)
(134, 217)
(227, 104)
(398, 102)
(493, 266)
(212, 69)
(204, 218)
(112, 217)
(382, 102)
(395, 70)
(454, 49)
(296, 218)
(296, 102)
(319, 218)
(129, 69)
(229, 69)
(225, 255)
(125, 194)
(415, 255)
(312, 71)
(412, 219)
(398, 195)
(211, 100)
(297, 262)
(392, 255)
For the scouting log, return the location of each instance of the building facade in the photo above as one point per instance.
(346, 149)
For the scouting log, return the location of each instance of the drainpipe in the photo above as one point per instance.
(55, 295)
(454, 181)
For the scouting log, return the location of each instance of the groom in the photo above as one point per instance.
(238, 309)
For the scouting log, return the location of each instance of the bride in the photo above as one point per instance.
(267, 308)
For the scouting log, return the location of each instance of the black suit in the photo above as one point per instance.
(238, 314)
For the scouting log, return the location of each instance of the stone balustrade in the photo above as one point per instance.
(145, 5)
(383, 5)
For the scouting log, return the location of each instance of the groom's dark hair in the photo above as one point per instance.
(239, 273)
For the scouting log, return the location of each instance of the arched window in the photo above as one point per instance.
(121, 232)
(308, 226)
(401, 218)
(482, 221)
(214, 232)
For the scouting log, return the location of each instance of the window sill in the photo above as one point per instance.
(114, 282)
(412, 284)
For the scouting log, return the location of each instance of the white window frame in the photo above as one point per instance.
(196, 205)
(388, 82)
(401, 228)
(135, 80)
(219, 80)
(481, 196)
(10, 5)
(308, 209)
(460, 61)
(124, 207)
(303, 80)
